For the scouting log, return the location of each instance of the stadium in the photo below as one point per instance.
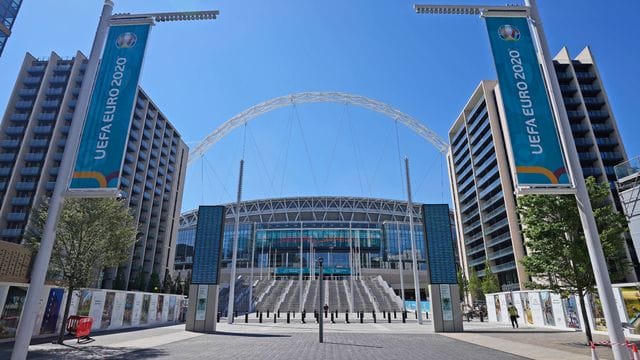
(365, 244)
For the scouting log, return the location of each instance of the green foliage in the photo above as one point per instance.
(490, 282)
(154, 283)
(119, 283)
(463, 284)
(167, 284)
(475, 285)
(92, 234)
(558, 258)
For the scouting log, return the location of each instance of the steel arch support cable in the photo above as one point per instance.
(317, 97)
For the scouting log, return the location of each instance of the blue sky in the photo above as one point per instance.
(202, 73)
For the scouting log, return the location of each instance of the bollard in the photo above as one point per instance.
(260, 317)
(256, 314)
(374, 316)
(294, 314)
(218, 317)
(336, 314)
(415, 313)
(346, 317)
(426, 314)
(302, 316)
(288, 317)
(332, 320)
(315, 315)
(481, 316)
(404, 317)
(361, 317)
(235, 314)
(325, 314)
(278, 312)
(267, 314)
(394, 314)
(275, 318)
(384, 315)
(246, 318)
(389, 317)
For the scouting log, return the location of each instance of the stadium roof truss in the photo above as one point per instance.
(316, 209)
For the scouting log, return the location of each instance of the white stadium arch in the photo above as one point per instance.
(317, 97)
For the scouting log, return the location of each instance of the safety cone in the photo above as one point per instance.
(634, 351)
(594, 355)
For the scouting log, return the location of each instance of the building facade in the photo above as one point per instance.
(278, 238)
(628, 186)
(481, 182)
(33, 136)
(8, 13)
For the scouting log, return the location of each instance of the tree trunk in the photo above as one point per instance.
(583, 309)
(67, 305)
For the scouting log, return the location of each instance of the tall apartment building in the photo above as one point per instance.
(481, 183)
(8, 12)
(33, 136)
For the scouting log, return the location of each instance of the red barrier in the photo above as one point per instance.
(80, 326)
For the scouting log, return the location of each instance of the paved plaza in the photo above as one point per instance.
(342, 341)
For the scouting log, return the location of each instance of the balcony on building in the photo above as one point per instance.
(47, 116)
(25, 185)
(21, 201)
(36, 69)
(9, 143)
(32, 80)
(579, 129)
(7, 157)
(583, 142)
(606, 142)
(58, 79)
(568, 89)
(42, 130)
(587, 156)
(28, 92)
(585, 75)
(15, 130)
(16, 216)
(24, 104)
(11, 233)
(598, 115)
(55, 91)
(39, 143)
(5, 171)
(589, 90)
(591, 171)
(50, 104)
(19, 117)
(34, 156)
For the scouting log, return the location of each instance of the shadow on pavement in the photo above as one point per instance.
(515, 331)
(96, 352)
(225, 333)
(368, 346)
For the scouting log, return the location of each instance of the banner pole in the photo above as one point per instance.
(32, 304)
(592, 237)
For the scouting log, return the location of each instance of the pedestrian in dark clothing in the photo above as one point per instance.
(513, 315)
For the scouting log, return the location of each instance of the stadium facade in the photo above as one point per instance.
(360, 237)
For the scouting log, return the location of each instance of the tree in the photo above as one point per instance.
(463, 284)
(490, 282)
(167, 284)
(154, 283)
(92, 234)
(558, 258)
(475, 285)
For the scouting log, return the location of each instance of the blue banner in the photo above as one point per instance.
(106, 127)
(535, 146)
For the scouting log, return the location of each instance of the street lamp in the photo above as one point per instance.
(587, 219)
(41, 262)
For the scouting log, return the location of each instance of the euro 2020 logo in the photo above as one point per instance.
(126, 40)
(509, 33)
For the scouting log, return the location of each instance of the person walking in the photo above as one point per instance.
(513, 315)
